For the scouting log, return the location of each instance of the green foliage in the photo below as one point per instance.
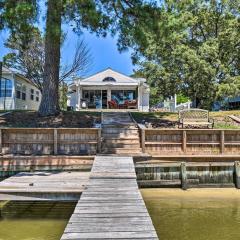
(19, 16)
(182, 99)
(189, 46)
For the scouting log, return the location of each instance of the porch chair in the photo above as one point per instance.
(112, 104)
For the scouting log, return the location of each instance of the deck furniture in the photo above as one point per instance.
(194, 118)
(131, 104)
(112, 104)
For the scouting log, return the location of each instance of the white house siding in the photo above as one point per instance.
(145, 102)
(27, 104)
(120, 82)
(73, 100)
(13, 102)
(9, 101)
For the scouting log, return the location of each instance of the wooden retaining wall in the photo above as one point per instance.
(50, 141)
(190, 141)
(187, 175)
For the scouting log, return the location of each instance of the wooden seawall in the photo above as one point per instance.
(111, 207)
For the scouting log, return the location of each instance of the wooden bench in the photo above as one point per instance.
(194, 117)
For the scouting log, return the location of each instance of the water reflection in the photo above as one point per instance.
(34, 220)
(196, 214)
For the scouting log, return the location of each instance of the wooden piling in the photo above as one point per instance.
(99, 141)
(237, 174)
(184, 175)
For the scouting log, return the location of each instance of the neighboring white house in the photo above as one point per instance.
(109, 89)
(18, 92)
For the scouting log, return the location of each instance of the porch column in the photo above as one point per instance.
(139, 97)
(78, 97)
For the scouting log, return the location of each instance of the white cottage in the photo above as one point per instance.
(18, 92)
(109, 89)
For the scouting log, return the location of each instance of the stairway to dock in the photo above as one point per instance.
(120, 135)
(111, 207)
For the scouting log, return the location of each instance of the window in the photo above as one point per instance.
(37, 96)
(32, 94)
(6, 87)
(23, 92)
(109, 79)
(18, 90)
(120, 96)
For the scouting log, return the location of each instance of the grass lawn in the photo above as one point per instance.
(167, 119)
(65, 119)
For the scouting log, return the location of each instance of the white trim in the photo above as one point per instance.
(109, 72)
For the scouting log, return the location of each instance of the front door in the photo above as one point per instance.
(104, 99)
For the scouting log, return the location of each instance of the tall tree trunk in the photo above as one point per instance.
(50, 94)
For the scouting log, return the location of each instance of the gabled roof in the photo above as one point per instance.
(8, 71)
(108, 77)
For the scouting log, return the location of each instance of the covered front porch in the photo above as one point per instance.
(109, 90)
(107, 98)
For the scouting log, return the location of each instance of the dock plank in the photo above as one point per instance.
(111, 206)
(44, 186)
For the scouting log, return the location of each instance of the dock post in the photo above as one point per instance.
(237, 174)
(183, 175)
(55, 142)
(99, 141)
(143, 139)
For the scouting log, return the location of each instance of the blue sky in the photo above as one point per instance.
(104, 52)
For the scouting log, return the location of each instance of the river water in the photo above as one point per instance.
(34, 220)
(196, 214)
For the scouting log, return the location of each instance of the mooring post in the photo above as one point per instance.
(237, 174)
(99, 140)
(184, 175)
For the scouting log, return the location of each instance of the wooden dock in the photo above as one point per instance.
(111, 207)
(45, 186)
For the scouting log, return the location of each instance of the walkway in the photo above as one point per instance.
(120, 134)
(111, 207)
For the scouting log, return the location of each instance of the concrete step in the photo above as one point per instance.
(121, 150)
(133, 140)
(120, 135)
(120, 145)
(119, 130)
(120, 125)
